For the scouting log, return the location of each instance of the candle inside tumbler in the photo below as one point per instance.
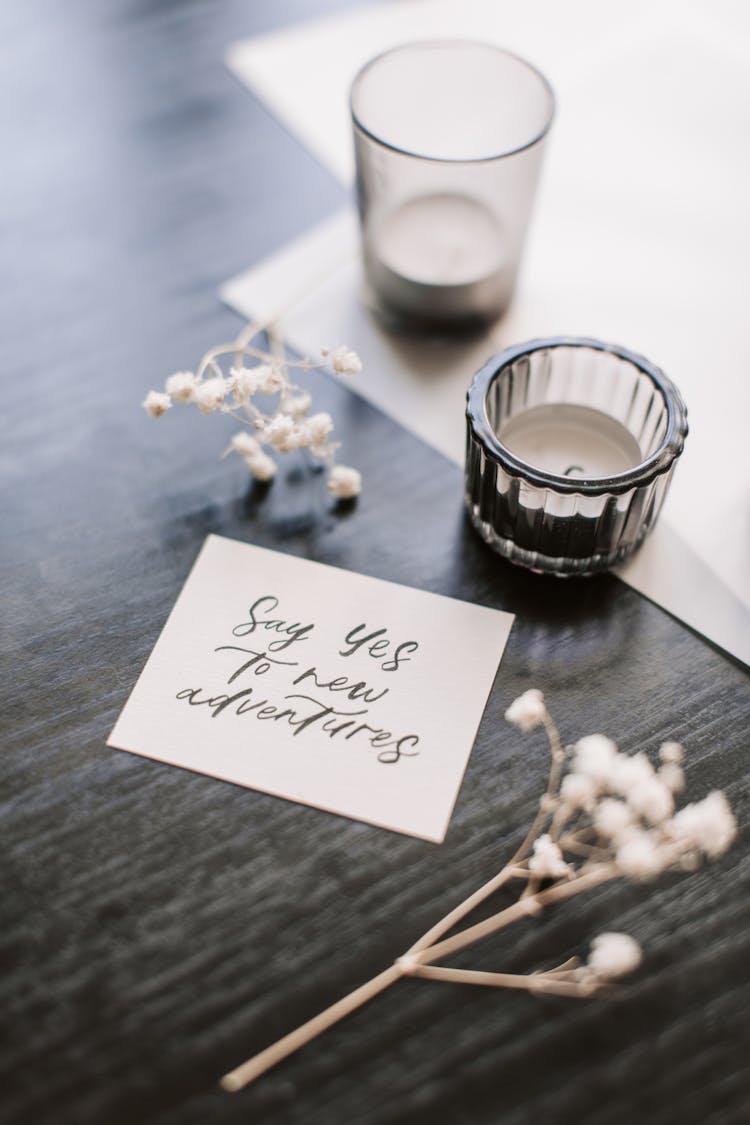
(440, 255)
(572, 441)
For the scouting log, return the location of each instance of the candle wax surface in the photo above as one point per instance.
(441, 240)
(572, 441)
(440, 258)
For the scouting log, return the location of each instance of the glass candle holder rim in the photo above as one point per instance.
(656, 464)
(360, 126)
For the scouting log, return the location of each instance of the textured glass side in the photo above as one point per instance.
(581, 535)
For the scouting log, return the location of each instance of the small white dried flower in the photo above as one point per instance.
(708, 825)
(243, 382)
(639, 855)
(578, 791)
(245, 444)
(300, 439)
(270, 379)
(671, 753)
(210, 395)
(283, 434)
(298, 405)
(344, 483)
(527, 711)
(181, 386)
(155, 404)
(344, 360)
(318, 427)
(614, 955)
(630, 771)
(612, 818)
(547, 861)
(261, 466)
(672, 776)
(651, 799)
(595, 757)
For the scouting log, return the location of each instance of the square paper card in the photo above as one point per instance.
(354, 695)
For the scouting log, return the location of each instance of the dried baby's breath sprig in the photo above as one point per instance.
(604, 815)
(254, 377)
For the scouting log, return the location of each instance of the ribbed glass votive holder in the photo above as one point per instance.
(570, 448)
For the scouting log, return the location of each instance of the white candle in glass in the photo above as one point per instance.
(440, 253)
(573, 441)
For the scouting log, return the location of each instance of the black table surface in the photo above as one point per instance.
(159, 926)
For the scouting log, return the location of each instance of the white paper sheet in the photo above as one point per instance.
(641, 236)
(318, 685)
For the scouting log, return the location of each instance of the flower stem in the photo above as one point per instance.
(557, 758)
(454, 916)
(260, 1063)
(536, 982)
(601, 873)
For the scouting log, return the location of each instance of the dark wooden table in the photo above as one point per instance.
(157, 926)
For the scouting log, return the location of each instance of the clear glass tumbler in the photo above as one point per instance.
(449, 138)
(570, 449)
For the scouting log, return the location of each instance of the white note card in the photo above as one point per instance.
(357, 696)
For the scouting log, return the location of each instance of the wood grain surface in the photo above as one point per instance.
(158, 926)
